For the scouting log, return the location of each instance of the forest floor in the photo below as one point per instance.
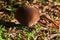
(47, 29)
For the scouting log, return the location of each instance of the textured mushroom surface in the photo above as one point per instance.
(27, 15)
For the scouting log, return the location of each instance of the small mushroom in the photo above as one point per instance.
(27, 15)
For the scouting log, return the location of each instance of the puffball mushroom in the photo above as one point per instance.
(27, 15)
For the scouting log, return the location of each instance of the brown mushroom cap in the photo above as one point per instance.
(27, 15)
